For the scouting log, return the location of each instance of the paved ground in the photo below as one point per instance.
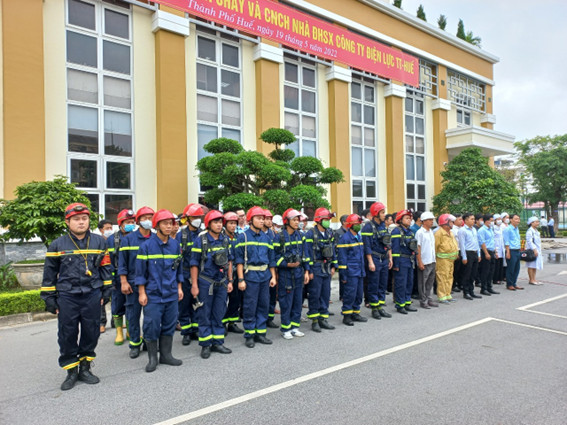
(499, 360)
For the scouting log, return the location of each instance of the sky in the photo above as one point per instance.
(530, 38)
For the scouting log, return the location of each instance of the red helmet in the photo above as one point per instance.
(376, 207)
(322, 214)
(402, 214)
(268, 213)
(143, 211)
(352, 220)
(75, 209)
(230, 216)
(125, 214)
(253, 212)
(289, 214)
(193, 210)
(445, 219)
(162, 215)
(212, 215)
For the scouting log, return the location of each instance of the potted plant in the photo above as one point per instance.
(37, 211)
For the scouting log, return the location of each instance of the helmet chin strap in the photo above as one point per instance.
(252, 225)
(216, 233)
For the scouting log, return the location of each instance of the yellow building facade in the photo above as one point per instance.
(121, 97)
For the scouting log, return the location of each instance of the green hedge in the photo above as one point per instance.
(20, 302)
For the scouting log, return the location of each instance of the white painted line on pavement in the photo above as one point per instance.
(542, 302)
(546, 314)
(278, 387)
(525, 325)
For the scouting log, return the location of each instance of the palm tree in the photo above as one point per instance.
(471, 38)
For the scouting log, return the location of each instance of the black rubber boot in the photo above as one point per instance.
(134, 352)
(324, 324)
(206, 352)
(85, 374)
(152, 356)
(315, 326)
(347, 320)
(376, 314)
(165, 357)
(71, 379)
(186, 340)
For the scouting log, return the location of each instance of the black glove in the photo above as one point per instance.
(51, 305)
(106, 292)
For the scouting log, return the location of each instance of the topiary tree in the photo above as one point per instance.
(38, 210)
(240, 178)
(461, 30)
(398, 3)
(471, 185)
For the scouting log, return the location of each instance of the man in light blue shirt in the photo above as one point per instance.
(487, 246)
(513, 244)
(470, 254)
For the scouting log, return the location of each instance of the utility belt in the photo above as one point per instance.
(411, 257)
(326, 265)
(252, 268)
(380, 255)
(214, 283)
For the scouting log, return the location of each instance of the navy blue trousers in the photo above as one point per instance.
(403, 284)
(352, 294)
(160, 319)
(187, 315)
(255, 307)
(133, 315)
(378, 282)
(319, 295)
(210, 315)
(78, 313)
(291, 302)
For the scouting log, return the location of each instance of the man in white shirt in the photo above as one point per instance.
(543, 227)
(426, 261)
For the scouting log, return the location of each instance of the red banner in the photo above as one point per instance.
(303, 32)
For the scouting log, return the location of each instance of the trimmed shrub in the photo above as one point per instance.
(20, 302)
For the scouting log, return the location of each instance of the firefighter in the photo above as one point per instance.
(404, 247)
(268, 230)
(129, 247)
(320, 249)
(159, 278)
(126, 224)
(377, 243)
(211, 277)
(447, 251)
(255, 266)
(293, 274)
(351, 263)
(233, 310)
(77, 280)
(192, 217)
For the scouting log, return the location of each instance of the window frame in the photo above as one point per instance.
(416, 202)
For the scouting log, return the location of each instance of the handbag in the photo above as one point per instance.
(527, 255)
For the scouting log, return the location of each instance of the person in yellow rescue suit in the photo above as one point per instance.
(447, 251)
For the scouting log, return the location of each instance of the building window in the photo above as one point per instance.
(463, 117)
(300, 104)
(100, 142)
(415, 151)
(466, 92)
(363, 143)
(219, 87)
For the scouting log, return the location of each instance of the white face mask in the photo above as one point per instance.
(507, 221)
(108, 233)
(498, 222)
(301, 225)
(146, 224)
(196, 223)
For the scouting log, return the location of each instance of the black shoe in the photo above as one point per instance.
(324, 324)
(152, 355)
(315, 326)
(165, 357)
(347, 320)
(456, 289)
(262, 339)
(71, 379)
(220, 349)
(134, 352)
(186, 340)
(409, 307)
(492, 291)
(272, 325)
(249, 342)
(233, 327)
(376, 314)
(358, 318)
(401, 310)
(475, 296)
(383, 312)
(205, 352)
(483, 292)
(194, 336)
(85, 374)
(331, 313)
(467, 297)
